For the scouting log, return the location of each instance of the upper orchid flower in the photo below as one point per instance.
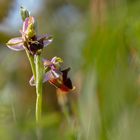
(54, 75)
(29, 40)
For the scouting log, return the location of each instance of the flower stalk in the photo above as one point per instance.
(39, 79)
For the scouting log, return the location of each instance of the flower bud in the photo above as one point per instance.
(24, 13)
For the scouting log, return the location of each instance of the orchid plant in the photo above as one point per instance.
(43, 70)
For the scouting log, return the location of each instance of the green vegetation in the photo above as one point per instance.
(100, 41)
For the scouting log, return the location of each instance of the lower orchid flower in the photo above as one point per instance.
(55, 76)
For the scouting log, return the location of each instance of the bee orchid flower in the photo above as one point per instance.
(29, 40)
(55, 76)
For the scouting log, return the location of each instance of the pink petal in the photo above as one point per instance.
(47, 62)
(43, 36)
(53, 74)
(47, 39)
(27, 22)
(15, 44)
(32, 81)
(47, 76)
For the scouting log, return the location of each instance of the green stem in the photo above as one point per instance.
(31, 60)
(39, 79)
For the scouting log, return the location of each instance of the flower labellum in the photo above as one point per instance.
(63, 83)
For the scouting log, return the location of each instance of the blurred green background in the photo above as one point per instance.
(100, 41)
